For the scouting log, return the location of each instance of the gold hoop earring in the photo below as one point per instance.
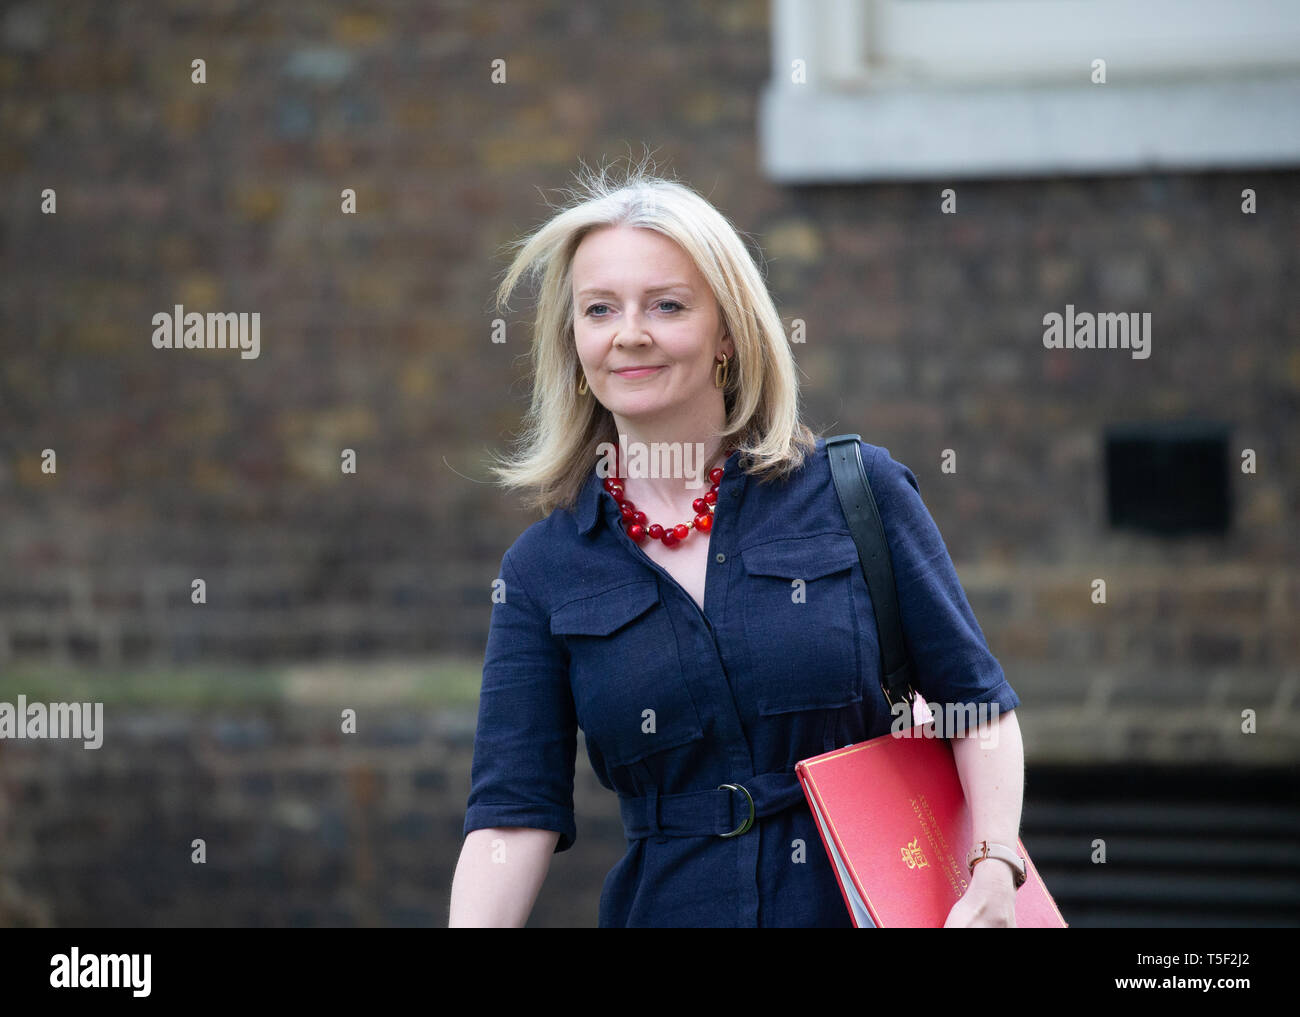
(582, 385)
(720, 373)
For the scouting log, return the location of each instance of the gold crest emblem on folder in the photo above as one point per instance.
(912, 856)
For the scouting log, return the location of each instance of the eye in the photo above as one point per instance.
(659, 303)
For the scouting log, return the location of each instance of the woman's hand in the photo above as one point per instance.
(989, 901)
(991, 765)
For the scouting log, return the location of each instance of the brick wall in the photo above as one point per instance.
(302, 826)
(923, 330)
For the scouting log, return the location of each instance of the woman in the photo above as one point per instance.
(706, 627)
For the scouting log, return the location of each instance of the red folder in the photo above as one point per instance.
(895, 823)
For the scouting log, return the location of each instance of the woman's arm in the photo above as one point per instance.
(993, 779)
(498, 876)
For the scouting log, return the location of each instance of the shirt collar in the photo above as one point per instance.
(589, 505)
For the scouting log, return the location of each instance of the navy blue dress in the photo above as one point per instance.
(674, 701)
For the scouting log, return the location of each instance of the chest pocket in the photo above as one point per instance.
(624, 661)
(805, 639)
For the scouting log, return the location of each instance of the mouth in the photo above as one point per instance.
(638, 372)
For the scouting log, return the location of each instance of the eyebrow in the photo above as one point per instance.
(595, 291)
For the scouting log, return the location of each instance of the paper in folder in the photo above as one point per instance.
(895, 823)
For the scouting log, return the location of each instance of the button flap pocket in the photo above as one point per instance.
(624, 669)
(802, 557)
(606, 612)
(801, 623)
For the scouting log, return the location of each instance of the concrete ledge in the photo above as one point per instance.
(913, 132)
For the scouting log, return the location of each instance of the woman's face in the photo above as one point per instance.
(640, 302)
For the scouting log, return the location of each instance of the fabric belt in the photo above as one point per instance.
(709, 813)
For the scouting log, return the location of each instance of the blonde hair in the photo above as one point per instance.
(562, 429)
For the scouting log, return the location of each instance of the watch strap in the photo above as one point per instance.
(984, 849)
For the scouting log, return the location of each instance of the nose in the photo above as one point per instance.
(631, 332)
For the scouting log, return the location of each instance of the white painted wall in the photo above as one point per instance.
(958, 88)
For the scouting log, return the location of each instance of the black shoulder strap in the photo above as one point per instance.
(863, 517)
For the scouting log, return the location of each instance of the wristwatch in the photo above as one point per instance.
(984, 850)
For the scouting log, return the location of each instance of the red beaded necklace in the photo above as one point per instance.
(637, 526)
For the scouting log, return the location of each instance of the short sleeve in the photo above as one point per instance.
(951, 660)
(526, 740)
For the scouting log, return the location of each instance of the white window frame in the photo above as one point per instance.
(960, 88)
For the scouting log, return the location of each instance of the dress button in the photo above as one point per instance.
(720, 558)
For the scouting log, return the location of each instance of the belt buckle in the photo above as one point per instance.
(749, 822)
